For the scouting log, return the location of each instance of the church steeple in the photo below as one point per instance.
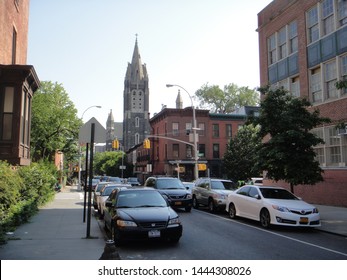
(179, 101)
(136, 101)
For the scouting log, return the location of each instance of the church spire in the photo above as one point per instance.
(179, 101)
(137, 72)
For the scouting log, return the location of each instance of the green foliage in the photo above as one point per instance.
(227, 100)
(288, 154)
(242, 154)
(22, 190)
(109, 163)
(54, 124)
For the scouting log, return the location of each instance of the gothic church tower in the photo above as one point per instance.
(136, 102)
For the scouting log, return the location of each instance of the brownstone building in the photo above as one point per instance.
(18, 82)
(303, 47)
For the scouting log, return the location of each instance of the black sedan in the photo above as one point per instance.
(141, 214)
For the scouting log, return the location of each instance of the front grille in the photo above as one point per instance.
(301, 212)
(177, 196)
(153, 225)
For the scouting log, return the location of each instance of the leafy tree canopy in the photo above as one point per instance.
(54, 124)
(288, 154)
(109, 162)
(227, 100)
(241, 156)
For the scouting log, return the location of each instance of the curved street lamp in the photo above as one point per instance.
(194, 128)
(80, 151)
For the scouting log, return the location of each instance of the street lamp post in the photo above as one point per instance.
(194, 128)
(80, 150)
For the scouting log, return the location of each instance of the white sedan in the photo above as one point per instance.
(271, 206)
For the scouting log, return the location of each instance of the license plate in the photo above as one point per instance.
(178, 202)
(303, 220)
(154, 233)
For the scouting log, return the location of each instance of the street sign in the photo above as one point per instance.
(122, 167)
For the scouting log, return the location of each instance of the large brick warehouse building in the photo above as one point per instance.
(303, 47)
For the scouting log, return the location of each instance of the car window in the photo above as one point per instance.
(275, 193)
(253, 192)
(136, 199)
(107, 191)
(169, 184)
(217, 185)
(243, 191)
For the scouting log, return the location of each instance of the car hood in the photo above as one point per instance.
(173, 191)
(296, 204)
(144, 214)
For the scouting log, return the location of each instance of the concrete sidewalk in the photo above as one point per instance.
(58, 232)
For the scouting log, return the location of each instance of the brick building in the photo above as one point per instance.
(303, 47)
(18, 82)
(173, 149)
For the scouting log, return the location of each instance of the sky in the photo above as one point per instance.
(86, 45)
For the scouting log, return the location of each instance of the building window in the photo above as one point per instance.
(344, 72)
(328, 17)
(272, 49)
(201, 130)
(228, 131)
(6, 111)
(316, 88)
(215, 151)
(189, 151)
(24, 129)
(282, 43)
(342, 12)
(312, 25)
(137, 122)
(295, 87)
(330, 79)
(137, 138)
(175, 131)
(202, 150)
(188, 128)
(293, 37)
(175, 151)
(14, 46)
(215, 130)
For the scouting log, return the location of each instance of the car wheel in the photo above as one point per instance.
(232, 211)
(265, 218)
(188, 208)
(195, 203)
(211, 206)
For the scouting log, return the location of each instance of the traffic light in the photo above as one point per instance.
(115, 144)
(146, 144)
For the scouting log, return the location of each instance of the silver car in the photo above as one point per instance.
(212, 193)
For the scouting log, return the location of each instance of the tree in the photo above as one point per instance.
(241, 156)
(227, 100)
(288, 154)
(54, 124)
(109, 163)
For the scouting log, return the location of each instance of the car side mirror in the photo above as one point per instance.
(108, 203)
(257, 196)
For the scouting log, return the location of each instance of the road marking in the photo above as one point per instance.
(274, 233)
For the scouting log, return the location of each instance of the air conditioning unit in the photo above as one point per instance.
(342, 131)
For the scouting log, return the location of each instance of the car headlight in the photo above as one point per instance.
(189, 196)
(122, 223)
(174, 221)
(280, 208)
(219, 196)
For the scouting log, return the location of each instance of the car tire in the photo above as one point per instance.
(188, 208)
(211, 206)
(195, 203)
(232, 211)
(265, 219)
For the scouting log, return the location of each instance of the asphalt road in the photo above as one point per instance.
(216, 237)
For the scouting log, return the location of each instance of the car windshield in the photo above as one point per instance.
(169, 184)
(137, 199)
(107, 191)
(99, 187)
(274, 193)
(223, 185)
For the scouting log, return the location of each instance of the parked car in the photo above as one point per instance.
(133, 181)
(173, 189)
(139, 213)
(96, 193)
(271, 206)
(189, 186)
(104, 194)
(212, 192)
(115, 180)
